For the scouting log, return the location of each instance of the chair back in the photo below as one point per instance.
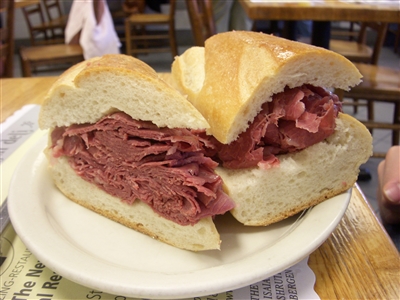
(201, 20)
(40, 31)
(172, 9)
(57, 20)
(381, 29)
(7, 40)
(379, 84)
(350, 33)
(359, 50)
(35, 30)
(52, 9)
(139, 40)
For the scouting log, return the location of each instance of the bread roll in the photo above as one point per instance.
(96, 88)
(240, 70)
(230, 79)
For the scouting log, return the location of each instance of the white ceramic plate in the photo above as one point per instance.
(96, 252)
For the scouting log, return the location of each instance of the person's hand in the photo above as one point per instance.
(389, 187)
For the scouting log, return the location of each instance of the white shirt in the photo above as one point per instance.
(95, 39)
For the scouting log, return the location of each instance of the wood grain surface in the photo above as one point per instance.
(328, 10)
(17, 92)
(359, 260)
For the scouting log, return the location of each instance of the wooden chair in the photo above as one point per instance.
(140, 40)
(42, 32)
(48, 51)
(55, 15)
(349, 33)
(380, 84)
(359, 51)
(52, 56)
(201, 20)
(127, 8)
(7, 40)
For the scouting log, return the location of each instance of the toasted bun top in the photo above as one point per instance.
(94, 88)
(242, 70)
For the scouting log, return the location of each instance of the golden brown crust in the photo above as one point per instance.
(244, 69)
(118, 63)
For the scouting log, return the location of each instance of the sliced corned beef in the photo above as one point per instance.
(296, 119)
(130, 159)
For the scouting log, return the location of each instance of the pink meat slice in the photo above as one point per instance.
(165, 168)
(296, 119)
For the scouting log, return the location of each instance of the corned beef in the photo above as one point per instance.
(172, 170)
(165, 168)
(296, 119)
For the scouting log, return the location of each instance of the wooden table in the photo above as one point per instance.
(322, 13)
(23, 3)
(358, 261)
(17, 92)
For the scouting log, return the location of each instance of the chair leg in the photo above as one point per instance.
(370, 110)
(396, 120)
(143, 31)
(26, 68)
(355, 107)
(370, 113)
(172, 41)
(128, 38)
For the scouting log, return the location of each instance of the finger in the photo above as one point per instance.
(381, 168)
(388, 176)
(391, 176)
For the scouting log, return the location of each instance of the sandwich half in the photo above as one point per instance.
(279, 134)
(125, 144)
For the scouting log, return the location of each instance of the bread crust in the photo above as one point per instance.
(94, 88)
(97, 87)
(242, 70)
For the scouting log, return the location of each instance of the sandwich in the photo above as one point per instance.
(277, 130)
(125, 144)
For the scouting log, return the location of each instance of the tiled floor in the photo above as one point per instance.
(382, 139)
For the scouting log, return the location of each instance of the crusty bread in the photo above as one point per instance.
(303, 179)
(228, 81)
(188, 72)
(242, 70)
(96, 87)
(139, 216)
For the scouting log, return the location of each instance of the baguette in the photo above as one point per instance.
(236, 77)
(239, 71)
